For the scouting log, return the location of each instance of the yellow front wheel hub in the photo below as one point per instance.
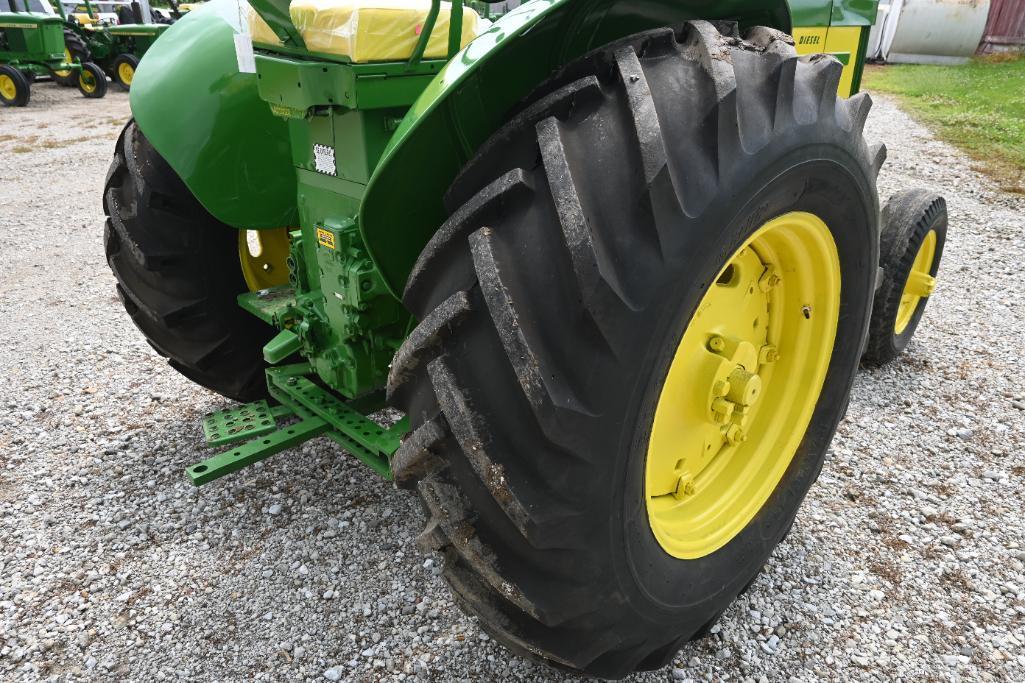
(125, 73)
(263, 255)
(8, 89)
(87, 82)
(68, 59)
(920, 282)
(742, 385)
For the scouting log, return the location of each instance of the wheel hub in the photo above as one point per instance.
(126, 72)
(920, 283)
(7, 87)
(742, 386)
(263, 255)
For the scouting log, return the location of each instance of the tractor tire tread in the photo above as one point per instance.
(161, 246)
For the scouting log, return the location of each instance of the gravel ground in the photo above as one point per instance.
(907, 560)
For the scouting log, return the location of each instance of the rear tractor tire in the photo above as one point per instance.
(123, 70)
(75, 50)
(92, 81)
(914, 231)
(15, 90)
(638, 331)
(178, 273)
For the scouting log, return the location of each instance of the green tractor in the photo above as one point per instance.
(117, 48)
(32, 45)
(616, 263)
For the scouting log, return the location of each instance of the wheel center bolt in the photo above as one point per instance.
(745, 387)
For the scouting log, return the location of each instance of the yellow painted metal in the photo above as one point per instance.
(68, 59)
(742, 386)
(125, 72)
(919, 285)
(840, 41)
(843, 42)
(87, 81)
(263, 255)
(7, 87)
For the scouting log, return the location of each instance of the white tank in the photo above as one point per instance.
(875, 36)
(933, 31)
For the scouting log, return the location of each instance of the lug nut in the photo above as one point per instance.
(735, 435)
(767, 354)
(684, 487)
(722, 409)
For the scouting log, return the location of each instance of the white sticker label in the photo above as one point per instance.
(324, 159)
(244, 53)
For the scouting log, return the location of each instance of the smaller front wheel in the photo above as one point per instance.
(14, 87)
(124, 70)
(914, 230)
(92, 82)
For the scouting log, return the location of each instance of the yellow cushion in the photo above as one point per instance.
(369, 30)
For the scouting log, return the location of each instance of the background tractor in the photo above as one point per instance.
(616, 263)
(116, 45)
(32, 45)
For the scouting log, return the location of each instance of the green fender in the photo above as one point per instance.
(208, 121)
(472, 96)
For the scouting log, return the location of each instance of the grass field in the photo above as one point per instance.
(979, 106)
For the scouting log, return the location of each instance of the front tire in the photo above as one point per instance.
(178, 273)
(552, 302)
(75, 50)
(914, 232)
(15, 90)
(92, 81)
(123, 70)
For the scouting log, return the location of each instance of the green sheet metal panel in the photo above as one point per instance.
(208, 121)
(473, 94)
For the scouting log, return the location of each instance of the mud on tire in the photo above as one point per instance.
(581, 238)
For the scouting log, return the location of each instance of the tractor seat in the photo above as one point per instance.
(369, 30)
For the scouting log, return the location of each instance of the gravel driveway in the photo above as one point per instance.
(907, 560)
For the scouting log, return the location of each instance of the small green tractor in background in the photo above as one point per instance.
(616, 263)
(117, 48)
(32, 45)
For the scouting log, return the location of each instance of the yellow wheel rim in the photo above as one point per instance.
(125, 72)
(742, 386)
(7, 87)
(68, 59)
(919, 284)
(263, 255)
(87, 82)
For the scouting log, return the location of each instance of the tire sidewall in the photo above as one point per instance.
(823, 180)
(913, 244)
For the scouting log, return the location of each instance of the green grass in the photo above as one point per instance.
(979, 107)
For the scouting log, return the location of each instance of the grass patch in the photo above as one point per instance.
(978, 106)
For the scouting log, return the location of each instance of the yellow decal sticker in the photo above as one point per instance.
(326, 238)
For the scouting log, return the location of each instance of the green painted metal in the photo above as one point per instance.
(269, 305)
(188, 89)
(368, 441)
(474, 93)
(258, 449)
(33, 42)
(337, 311)
(317, 411)
(371, 149)
(854, 13)
(236, 424)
